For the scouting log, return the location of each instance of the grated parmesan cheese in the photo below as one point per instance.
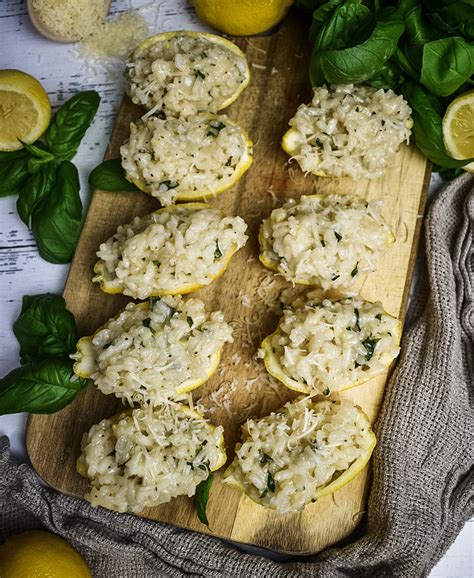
(289, 457)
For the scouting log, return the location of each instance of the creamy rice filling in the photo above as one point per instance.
(350, 130)
(183, 75)
(173, 157)
(148, 352)
(171, 249)
(326, 241)
(146, 457)
(286, 457)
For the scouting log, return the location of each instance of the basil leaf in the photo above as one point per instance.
(349, 24)
(38, 150)
(56, 223)
(202, 497)
(45, 328)
(13, 172)
(447, 64)
(70, 123)
(369, 345)
(455, 17)
(34, 191)
(428, 126)
(39, 387)
(110, 176)
(359, 63)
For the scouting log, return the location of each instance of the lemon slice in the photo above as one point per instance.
(25, 110)
(152, 359)
(174, 446)
(242, 18)
(197, 72)
(458, 128)
(143, 280)
(286, 460)
(355, 325)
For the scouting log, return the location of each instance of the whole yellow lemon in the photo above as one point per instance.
(242, 17)
(40, 554)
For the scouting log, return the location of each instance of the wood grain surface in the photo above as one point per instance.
(279, 66)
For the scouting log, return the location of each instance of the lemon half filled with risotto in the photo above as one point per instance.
(146, 457)
(186, 159)
(321, 346)
(182, 73)
(348, 130)
(155, 351)
(301, 453)
(172, 251)
(324, 240)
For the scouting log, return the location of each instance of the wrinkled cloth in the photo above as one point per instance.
(422, 490)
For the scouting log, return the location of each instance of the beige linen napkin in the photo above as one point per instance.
(423, 484)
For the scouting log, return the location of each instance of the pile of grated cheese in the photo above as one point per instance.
(85, 20)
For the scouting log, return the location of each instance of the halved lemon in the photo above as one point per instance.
(458, 128)
(273, 351)
(110, 283)
(172, 81)
(25, 110)
(128, 383)
(40, 554)
(307, 205)
(202, 189)
(267, 437)
(169, 449)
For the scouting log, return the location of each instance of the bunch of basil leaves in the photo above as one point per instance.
(47, 182)
(422, 49)
(45, 381)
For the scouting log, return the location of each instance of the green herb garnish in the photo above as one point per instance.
(369, 345)
(215, 127)
(271, 482)
(199, 74)
(169, 185)
(338, 237)
(202, 497)
(217, 252)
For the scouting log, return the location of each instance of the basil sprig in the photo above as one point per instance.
(45, 381)
(47, 183)
(420, 48)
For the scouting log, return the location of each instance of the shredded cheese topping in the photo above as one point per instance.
(185, 158)
(324, 240)
(146, 457)
(287, 457)
(324, 346)
(185, 74)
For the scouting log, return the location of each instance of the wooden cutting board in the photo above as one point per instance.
(241, 388)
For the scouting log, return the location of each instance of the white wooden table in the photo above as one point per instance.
(22, 271)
